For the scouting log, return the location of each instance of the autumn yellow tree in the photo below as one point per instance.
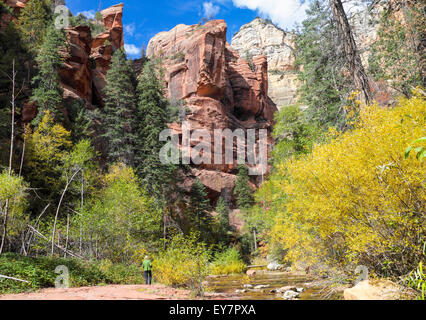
(358, 199)
(47, 150)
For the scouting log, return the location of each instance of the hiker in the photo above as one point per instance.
(147, 265)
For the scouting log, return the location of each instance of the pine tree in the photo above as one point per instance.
(317, 50)
(223, 218)
(199, 211)
(47, 93)
(242, 190)
(33, 23)
(11, 49)
(117, 115)
(152, 118)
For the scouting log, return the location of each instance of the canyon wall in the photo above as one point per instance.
(262, 37)
(83, 75)
(220, 90)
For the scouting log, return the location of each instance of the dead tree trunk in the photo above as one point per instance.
(59, 207)
(23, 151)
(67, 238)
(353, 57)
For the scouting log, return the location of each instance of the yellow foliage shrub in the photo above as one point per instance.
(227, 262)
(183, 263)
(357, 198)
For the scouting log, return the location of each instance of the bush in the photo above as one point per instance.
(40, 272)
(122, 273)
(227, 262)
(357, 199)
(183, 263)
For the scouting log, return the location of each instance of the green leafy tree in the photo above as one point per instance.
(47, 150)
(117, 116)
(120, 217)
(294, 134)
(242, 190)
(47, 92)
(13, 203)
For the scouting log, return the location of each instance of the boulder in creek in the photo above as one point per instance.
(262, 286)
(377, 290)
(251, 273)
(274, 266)
(240, 291)
(290, 294)
(286, 288)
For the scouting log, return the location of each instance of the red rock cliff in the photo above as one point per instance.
(84, 72)
(221, 89)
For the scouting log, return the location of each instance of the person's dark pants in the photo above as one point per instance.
(148, 277)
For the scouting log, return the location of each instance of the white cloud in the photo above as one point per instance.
(210, 10)
(88, 14)
(284, 13)
(132, 50)
(129, 29)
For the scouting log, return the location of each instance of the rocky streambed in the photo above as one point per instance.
(270, 285)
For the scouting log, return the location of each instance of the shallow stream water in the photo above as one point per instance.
(275, 280)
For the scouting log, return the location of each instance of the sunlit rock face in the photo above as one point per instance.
(261, 37)
(83, 74)
(220, 90)
(103, 47)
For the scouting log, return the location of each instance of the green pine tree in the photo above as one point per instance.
(117, 115)
(242, 190)
(47, 91)
(318, 51)
(223, 219)
(199, 212)
(33, 23)
(11, 49)
(152, 118)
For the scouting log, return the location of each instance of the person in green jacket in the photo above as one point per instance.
(147, 266)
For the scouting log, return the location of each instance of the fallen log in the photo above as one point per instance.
(37, 233)
(12, 278)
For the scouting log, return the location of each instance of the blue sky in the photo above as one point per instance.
(143, 19)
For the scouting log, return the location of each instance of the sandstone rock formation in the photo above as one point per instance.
(103, 47)
(83, 74)
(75, 74)
(378, 290)
(261, 37)
(220, 89)
(87, 60)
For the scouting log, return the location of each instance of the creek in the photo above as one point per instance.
(274, 280)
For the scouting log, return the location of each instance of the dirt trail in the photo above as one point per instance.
(113, 292)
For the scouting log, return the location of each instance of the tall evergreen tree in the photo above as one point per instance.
(223, 219)
(48, 92)
(152, 118)
(199, 211)
(117, 115)
(11, 49)
(33, 23)
(317, 50)
(242, 190)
